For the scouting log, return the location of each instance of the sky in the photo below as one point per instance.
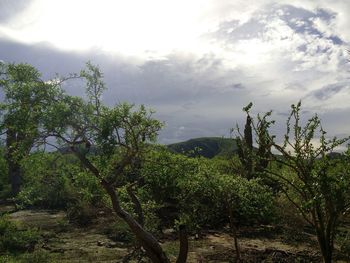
(197, 63)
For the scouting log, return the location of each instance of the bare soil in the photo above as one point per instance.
(70, 243)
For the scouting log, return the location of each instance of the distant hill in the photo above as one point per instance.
(208, 147)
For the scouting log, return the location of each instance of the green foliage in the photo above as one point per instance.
(313, 181)
(119, 232)
(120, 135)
(192, 191)
(181, 185)
(52, 180)
(38, 256)
(200, 197)
(55, 181)
(44, 184)
(208, 147)
(316, 183)
(81, 213)
(94, 84)
(252, 201)
(344, 243)
(254, 161)
(13, 239)
(26, 100)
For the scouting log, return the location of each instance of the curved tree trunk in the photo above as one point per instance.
(153, 250)
(137, 206)
(150, 244)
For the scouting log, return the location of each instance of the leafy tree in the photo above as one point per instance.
(26, 98)
(313, 181)
(120, 135)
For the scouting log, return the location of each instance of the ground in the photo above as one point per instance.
(67, 242)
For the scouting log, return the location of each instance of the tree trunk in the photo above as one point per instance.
(137, 206)
(14, 172)
(14, 168)
(153, 250)
(150, 244)
(234, 232)
(325, 246)
(182, 257)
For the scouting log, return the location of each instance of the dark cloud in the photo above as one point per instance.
(328, 91)
(238, 86)
(43, 56)
(185, 91)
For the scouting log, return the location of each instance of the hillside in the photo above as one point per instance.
(208, 147)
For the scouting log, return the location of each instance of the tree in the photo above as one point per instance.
(120, 136)
(314, 182)
(26, 98)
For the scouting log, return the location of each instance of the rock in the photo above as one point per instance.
(112, 245)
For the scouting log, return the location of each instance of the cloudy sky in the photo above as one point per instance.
(196, 62)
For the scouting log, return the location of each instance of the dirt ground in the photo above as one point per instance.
(69, 243)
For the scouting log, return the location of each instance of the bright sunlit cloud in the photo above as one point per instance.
(129, 27)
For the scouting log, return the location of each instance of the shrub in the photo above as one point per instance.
(81, 213)
(195, 192)
(344, 243)
(13, 239)
(182, 187)
(56, 181)
(39, 256)
(44, 184)
(119, 232)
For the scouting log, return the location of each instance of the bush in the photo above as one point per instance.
(120, 232)
(39, 256)
(182, 187)
(81, 213)
(292, 223)
(344, 243)
(197, 193)
(13, 239)
(56, 181)
(44, 185)
(254, 201)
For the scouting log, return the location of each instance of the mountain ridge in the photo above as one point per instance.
(208, 147)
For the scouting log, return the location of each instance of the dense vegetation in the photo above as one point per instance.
(208, 147)
(105, 159)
